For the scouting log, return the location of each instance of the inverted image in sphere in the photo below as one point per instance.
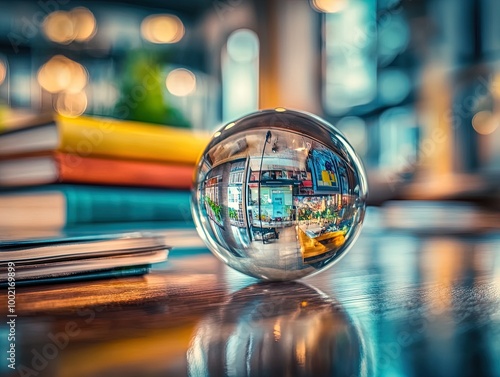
(279, 195)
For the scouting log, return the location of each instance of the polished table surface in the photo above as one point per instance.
(418, 295)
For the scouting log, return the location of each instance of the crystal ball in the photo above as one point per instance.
(279, 195)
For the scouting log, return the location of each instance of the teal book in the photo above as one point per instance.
(59, 206)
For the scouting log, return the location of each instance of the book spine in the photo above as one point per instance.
(99, 171)
(95, 205)
(129, 140)
(86, 276)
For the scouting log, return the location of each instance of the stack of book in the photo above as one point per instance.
(70, 258)
(96, 174)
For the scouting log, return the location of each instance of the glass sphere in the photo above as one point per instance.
(279, 194)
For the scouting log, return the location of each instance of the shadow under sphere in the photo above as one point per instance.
(287, 329)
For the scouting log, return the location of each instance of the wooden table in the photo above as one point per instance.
(422, 301)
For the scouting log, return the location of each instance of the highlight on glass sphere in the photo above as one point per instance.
(279, 195)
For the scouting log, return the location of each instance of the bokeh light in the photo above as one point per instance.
(62, 74)
(58, 27)
(393, 39)
(162, 28)
(3, 71)
(84, 24)
(79, 78)
(240, 74)
(71, 104)
(485, 123)
(64, 27)
(181, 82)
(495, 86)
(394, 86)
(329, 6)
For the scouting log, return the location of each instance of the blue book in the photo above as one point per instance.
(59, 206)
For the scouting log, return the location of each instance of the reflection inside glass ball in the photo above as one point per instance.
(279, 195)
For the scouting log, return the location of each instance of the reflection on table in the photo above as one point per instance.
(406, 300)
(290, 329)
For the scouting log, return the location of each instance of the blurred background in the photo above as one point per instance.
(414, 84)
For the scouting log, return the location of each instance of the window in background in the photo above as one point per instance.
(354, 129)
(366, 67)
(394, 86)
(240, 74)
(368, 77)
(398, 139)
(102, 91)
(350, 74)
(22, 85)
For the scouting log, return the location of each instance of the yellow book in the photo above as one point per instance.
(94, 136)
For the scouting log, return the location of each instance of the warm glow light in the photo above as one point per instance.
(280, 109)
(485, 123)
(181, 82)
(300, 352)
(217, 134)
(65, 27)
(58, 27)
(55, 75)
(71, 104)
(277, 331)
(79, 77)
(229, 125)
(62, 74)
(162, 28)
(495, 86)
(3, 71)
(84, 24)
(329, 6)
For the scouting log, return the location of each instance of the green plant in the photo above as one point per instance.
(305, 214)
(216, 208)
(142, 91)
(233, 214)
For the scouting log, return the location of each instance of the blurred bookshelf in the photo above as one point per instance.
(82, 83)
(104, 109)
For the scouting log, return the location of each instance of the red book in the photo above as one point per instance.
(69, 168)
